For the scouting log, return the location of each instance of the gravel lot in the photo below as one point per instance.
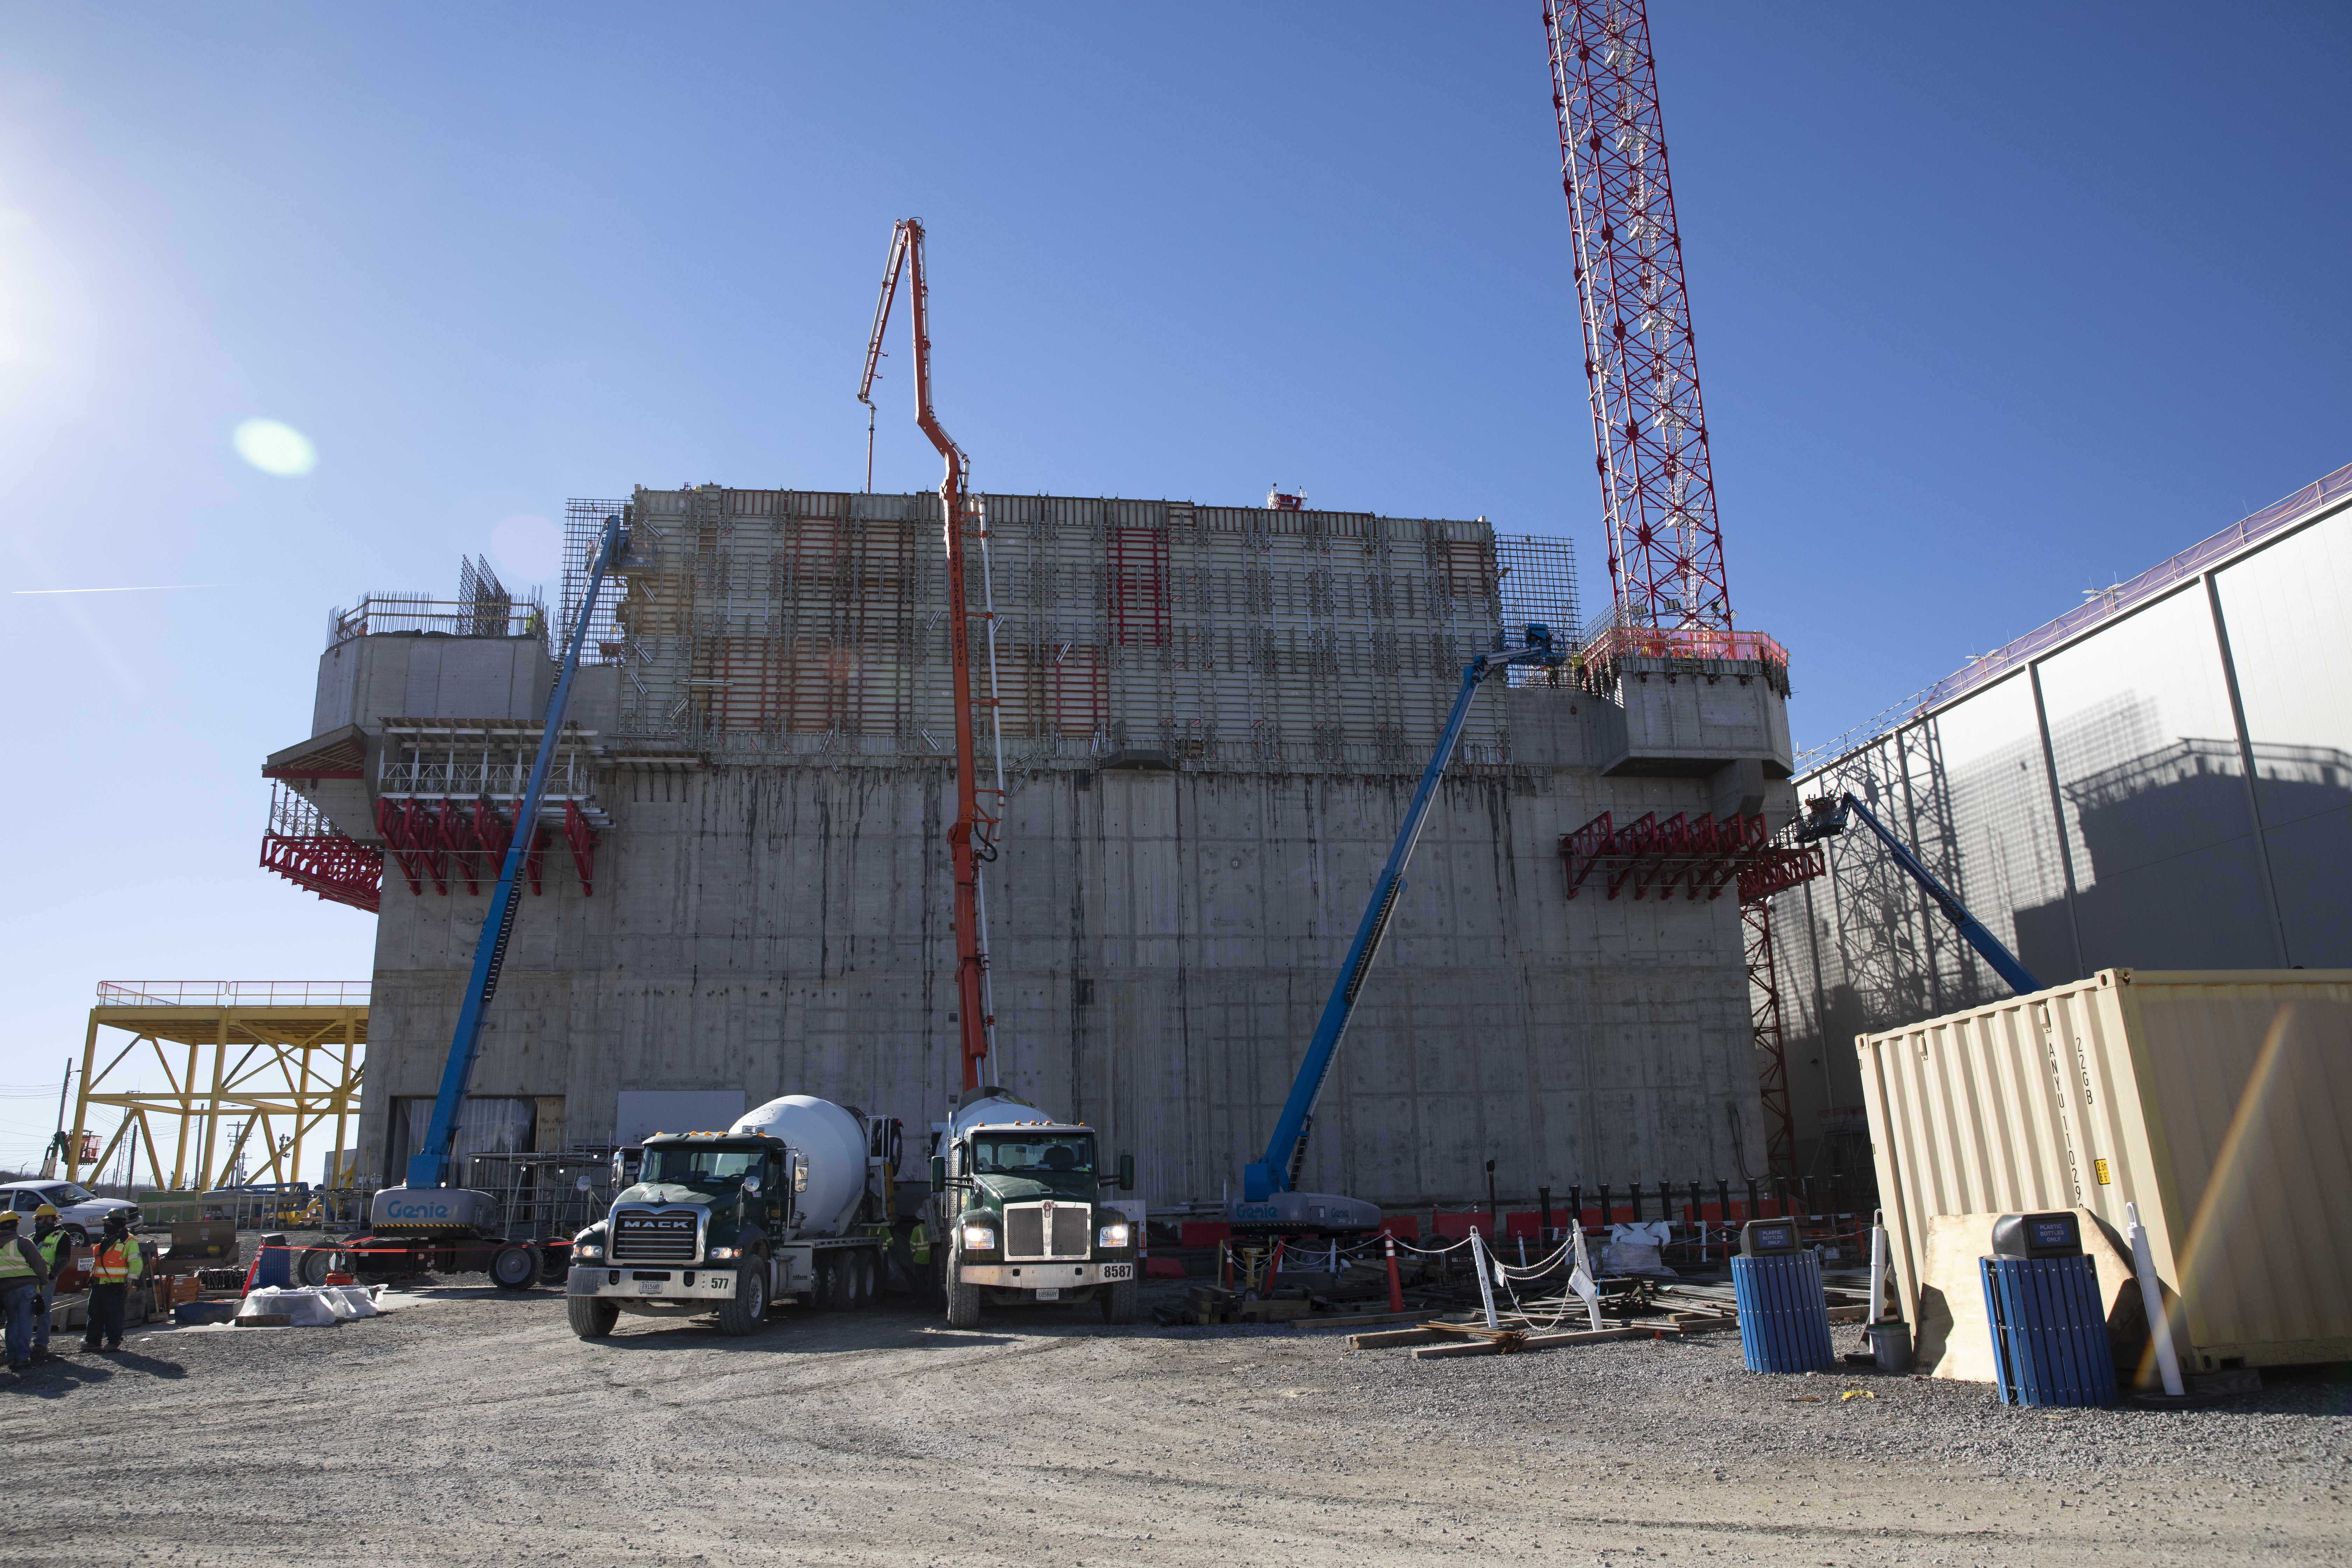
(468, 1427)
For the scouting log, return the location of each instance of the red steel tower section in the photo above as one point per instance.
(1641, 363)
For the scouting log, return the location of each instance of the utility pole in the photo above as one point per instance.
(57, 1143)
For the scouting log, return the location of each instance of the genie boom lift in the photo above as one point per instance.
(1270, 1203)
(1827, 817)
(428, 1224)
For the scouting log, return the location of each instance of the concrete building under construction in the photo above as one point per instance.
(1210, 721)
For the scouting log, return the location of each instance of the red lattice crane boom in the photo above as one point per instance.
(972, 839)
(1640, 362)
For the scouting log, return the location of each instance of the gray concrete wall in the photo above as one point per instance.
(1163, 943)
(427, 675)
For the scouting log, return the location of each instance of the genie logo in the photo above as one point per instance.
(1255, 1211)
(416, 1210)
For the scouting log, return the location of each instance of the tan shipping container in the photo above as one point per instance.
(2218, 1101)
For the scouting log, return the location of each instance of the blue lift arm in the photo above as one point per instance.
(1286, 1153)
(428, 1167)
(1827, 820)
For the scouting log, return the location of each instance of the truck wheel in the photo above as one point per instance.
(868, 1287)
(748, 1313)
(312, 1268)
(963, 1300)
(514, 1268)
(590, 1319)
(1118, 1302)
(841, 1285)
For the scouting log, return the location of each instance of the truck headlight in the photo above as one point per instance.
(1114, 1235)
(587, 1249)
(978, 1239)
(719, 1252)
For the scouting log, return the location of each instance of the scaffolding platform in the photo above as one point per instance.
(254, 1070)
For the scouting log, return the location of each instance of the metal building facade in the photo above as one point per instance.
(2161, 779)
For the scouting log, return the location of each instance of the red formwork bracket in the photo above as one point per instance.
(426, 837)
(411, 829)
(337, 868)
(582, 839)
(1701, 856)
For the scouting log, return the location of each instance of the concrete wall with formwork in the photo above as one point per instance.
(1171, 905)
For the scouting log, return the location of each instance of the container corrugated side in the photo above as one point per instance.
(2215, 1100)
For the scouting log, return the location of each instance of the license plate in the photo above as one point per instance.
(1051, 1295)
(649, 1286)
(1117, 1271)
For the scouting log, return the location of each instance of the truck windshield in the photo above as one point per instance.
(710, 1170)
(1034, 1154)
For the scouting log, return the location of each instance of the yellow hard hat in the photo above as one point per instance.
(47, 1211)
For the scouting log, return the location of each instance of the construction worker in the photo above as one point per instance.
(21, 1279)
(118, 1263)
(56, 1247)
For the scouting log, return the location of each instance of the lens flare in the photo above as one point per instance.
(275, 448)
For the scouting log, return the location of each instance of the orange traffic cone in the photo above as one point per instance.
(1396, 1286)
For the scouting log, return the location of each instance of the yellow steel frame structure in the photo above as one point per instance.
(282, 1059)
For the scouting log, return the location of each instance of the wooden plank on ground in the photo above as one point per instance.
(1532, 1342)
(1362, 1320)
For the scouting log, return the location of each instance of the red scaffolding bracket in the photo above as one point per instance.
(411, 829)
(1702, 855)
(426, 836)
(339, 868)
(582, 839)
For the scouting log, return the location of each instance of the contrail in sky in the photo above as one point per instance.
(142, 588)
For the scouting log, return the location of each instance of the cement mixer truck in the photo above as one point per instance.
(1017, 1202)
(774, 1210)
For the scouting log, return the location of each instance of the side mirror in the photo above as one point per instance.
(582, 1183)
(800, 1175)
(938, 1172)
(751, 1186)
(1127, 1172)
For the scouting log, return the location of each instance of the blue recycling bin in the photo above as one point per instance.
(2049, 1330)
(277, 1261)
(1784, 1319)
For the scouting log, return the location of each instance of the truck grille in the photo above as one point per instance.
(1028, 1232)
(646, 1235)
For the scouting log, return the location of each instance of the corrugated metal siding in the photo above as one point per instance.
(2218, 1101)
(2100, 806)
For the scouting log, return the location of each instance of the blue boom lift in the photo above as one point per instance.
(1827, 817)
(1270, 1201)
(427, 1224)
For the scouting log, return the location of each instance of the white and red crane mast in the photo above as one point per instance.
(1641, 360)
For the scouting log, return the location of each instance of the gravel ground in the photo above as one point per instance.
(470, 1428)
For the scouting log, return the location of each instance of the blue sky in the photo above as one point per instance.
(1992, 305)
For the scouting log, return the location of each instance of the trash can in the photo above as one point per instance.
(2048, 1322)
(1784, 1320)
(276, 1264)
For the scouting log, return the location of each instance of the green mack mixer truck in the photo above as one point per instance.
(781, 1208)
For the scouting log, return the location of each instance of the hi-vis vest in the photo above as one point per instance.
(48, 1245)
(13, 1264)
(118, 1263)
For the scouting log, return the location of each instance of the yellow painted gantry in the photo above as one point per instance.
(278, 1059)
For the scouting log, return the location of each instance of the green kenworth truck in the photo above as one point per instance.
(1017, 1215)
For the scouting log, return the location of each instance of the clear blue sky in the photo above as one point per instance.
(1992, 304)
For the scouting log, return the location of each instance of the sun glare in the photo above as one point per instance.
(275, 448)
